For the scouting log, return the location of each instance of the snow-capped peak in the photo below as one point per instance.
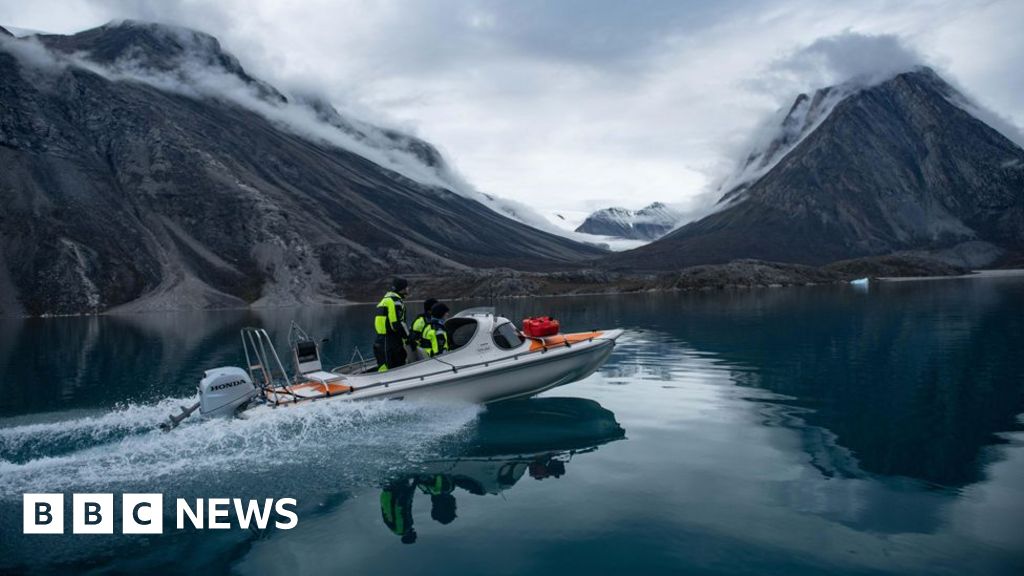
(648, 223)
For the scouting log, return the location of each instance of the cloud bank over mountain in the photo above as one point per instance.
(580, 104)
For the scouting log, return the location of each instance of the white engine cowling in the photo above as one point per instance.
(223, 390)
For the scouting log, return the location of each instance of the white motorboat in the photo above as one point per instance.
(489, 360)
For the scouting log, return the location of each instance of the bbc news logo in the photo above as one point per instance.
(144, 513)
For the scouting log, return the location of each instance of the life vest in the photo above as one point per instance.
(390, 318)
(418, 325)
(435, 338)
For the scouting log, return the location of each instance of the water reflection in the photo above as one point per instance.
(781, 431)
(913, 381)
(100, 361)
(535, 437)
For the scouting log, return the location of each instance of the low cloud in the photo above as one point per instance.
(31, 54)
(195, 75)
(844, 63)
(578, 105)
(850, 57)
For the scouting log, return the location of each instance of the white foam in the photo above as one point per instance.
(125, 448)
(62, 431)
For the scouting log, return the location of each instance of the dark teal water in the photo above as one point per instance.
(789, 431)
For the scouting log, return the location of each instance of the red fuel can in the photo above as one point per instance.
(540, 326)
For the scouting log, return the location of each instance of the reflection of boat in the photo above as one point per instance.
(490, 360)
(536, 438)
(541, 424)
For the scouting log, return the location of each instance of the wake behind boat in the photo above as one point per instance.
(489, 360)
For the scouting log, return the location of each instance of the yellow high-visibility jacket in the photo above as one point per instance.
(390, 319)
(435, 338)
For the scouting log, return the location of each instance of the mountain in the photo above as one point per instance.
(773, 144)
(156, 47)
(647, 223)
(144, 168)
(900, 166)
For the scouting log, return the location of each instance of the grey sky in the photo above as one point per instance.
(575, 105)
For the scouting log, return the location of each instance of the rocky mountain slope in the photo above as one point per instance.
(648, 223)
(144, 168)
(900, 166)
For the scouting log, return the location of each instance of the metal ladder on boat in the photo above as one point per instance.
(261, 359)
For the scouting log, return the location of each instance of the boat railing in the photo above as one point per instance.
(261, 358)
(357, 364)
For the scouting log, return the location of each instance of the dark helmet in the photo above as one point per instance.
(439, 310)
(428, 304)
(442, 508)
(399, 284)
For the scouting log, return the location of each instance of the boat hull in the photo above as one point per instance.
(524, 377)
(516, 376)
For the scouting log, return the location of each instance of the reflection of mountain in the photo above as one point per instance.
(912, 379)
(112, 359)
(535, 437)
(104, 360)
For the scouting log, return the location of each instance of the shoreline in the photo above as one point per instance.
(974, 274)
(641, 285)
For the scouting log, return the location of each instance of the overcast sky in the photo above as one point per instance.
(576, 105)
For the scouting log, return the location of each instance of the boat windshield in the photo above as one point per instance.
(460, 331)
(506, 336)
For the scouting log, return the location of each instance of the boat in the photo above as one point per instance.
(489, 361)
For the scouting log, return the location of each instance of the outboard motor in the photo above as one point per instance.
(223, 390)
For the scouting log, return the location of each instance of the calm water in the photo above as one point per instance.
(757, 432)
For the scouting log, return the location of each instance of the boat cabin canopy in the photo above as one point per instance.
(482, 329)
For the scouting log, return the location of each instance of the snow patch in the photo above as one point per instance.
(19, 32)
(81, 265)
(642, 225)
(778, 136)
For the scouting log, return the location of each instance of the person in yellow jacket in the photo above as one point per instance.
(435, 339)
(389, 323)
(416, 341)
